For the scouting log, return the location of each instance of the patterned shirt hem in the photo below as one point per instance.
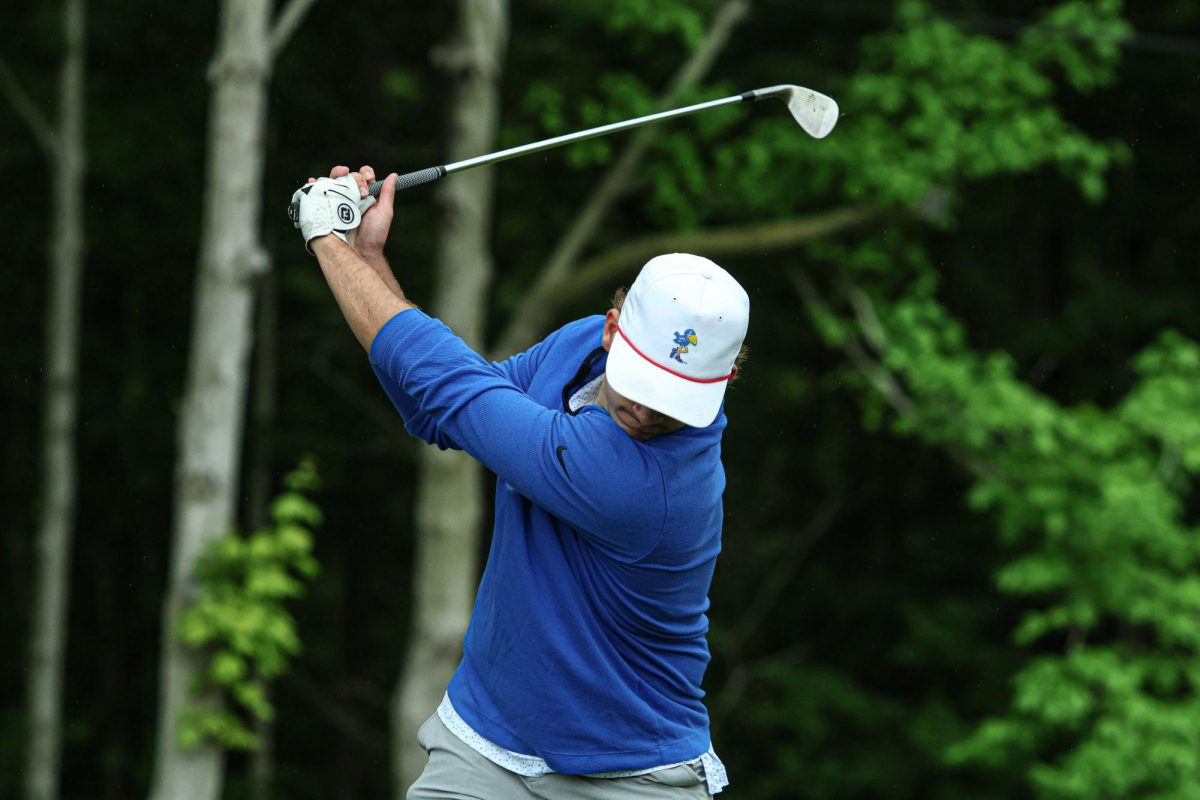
(534, 767)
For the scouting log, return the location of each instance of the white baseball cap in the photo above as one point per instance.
(678, 336)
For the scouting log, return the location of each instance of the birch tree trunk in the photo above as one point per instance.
(210, 431)
(53, 554)
(449, 492)
(210, 427)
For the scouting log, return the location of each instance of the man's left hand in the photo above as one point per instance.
(328, 205)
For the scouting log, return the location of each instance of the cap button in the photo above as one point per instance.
(706, 273)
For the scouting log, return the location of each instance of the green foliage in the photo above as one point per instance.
(240, 619)
(621, 95)
(402, 85)
(933, 106)
(941, 105)
(812, 722)
(1092, 502)
(1170, 372)
(798, 711)
(1083, 37)
(634, 21)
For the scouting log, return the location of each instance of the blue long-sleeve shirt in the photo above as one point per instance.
(587, 645)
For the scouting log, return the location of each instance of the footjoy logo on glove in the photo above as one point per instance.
(345, 213)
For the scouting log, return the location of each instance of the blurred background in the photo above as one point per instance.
(960, 553)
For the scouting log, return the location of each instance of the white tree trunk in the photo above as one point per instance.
(449, 492)
(53, 554)
(210, 431)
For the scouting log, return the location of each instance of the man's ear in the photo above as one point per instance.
(610, 327)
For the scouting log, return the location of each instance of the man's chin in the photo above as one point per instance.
(644, 435)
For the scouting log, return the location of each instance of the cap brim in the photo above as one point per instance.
(632, 376)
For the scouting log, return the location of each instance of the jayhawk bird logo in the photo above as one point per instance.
(682, 342)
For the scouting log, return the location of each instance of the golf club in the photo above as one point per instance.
(815, 113)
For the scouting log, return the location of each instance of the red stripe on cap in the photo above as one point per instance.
(668, 369)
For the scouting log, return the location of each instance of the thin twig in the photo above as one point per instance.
(337, 713)
(286, 23)
(868, 321)
(321, 365)
(27, 110)
(740, 679)
(878, 376)
(766, 599)
(786, 566)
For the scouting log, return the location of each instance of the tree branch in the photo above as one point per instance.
(39, 126)
(766, 599)
(541, 301)
(787, 565)
(872, 368)
(321, 365)
(722, 704)
(876, 375)
(529, 319)
(286, 23)
(338, 714)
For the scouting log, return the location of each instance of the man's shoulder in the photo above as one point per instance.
(585, 332)
(570, 344)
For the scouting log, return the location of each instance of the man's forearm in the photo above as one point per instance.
(366, 299)
(384, 270)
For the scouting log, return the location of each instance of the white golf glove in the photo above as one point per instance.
(330, 205)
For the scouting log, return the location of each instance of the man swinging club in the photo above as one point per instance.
(582, 664)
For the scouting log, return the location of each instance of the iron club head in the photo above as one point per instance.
(814, 112)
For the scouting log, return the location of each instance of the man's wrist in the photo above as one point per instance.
(322, 243)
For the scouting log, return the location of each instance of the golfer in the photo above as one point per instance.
(583, 660)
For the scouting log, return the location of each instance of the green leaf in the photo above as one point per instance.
(239, 621)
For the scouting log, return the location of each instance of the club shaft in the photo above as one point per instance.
(433, 173)
(590, 133)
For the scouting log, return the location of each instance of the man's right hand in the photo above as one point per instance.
(371, 235)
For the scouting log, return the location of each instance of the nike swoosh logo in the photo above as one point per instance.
(558, 451)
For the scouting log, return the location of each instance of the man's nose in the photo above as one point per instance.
(646, 416)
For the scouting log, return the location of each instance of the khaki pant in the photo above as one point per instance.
(456, 772)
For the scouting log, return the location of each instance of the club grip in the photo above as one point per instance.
(409, 179)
